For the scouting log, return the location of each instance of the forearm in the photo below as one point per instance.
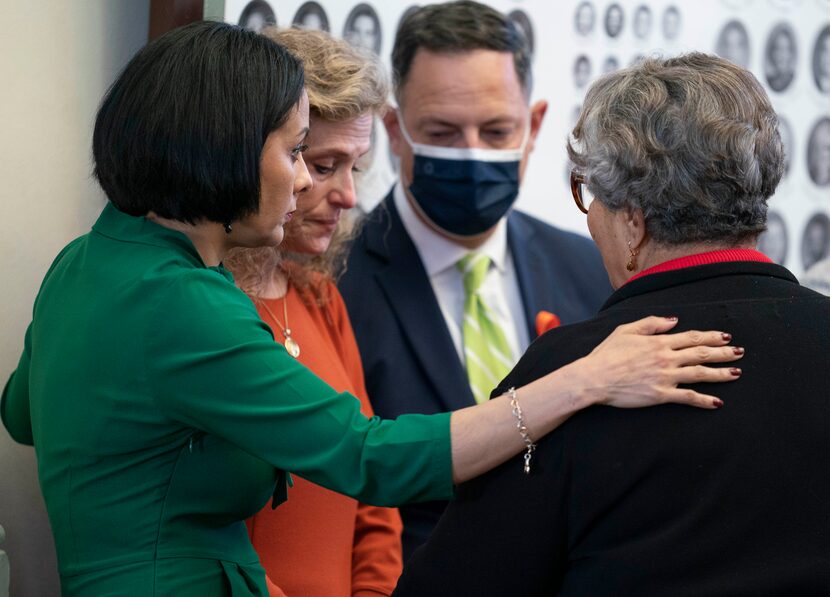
(486, 435)
(631, 368)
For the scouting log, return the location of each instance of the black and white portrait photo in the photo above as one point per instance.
(671, 22)
(780, 56)
(786, 131)
(641, 23)
(821, 60)
(582, 71)
(818, 153)
(362, 28)
(774, 240)
(733, 43)
(257, 15)
(523, 22)
(311, 15)
(610, 64)
(815, 243)
(614, 20)
(584, 18)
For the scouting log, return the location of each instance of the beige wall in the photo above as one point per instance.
(57, 59)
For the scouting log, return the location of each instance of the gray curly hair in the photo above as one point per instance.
(692, 141)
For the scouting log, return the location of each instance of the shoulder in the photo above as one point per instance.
(66, 254)
(203, 300)
(322, 295)
(61, 260)
(376, 226)
(378, 240)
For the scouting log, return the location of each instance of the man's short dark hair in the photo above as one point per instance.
(181, 130)
(458, 27)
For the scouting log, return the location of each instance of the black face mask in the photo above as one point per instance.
(464, 191)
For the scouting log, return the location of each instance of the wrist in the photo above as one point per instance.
(579, 383)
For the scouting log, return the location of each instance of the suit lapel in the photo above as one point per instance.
(539, 274)
(409, 292)
(532, 272)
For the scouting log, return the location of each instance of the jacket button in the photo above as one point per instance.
(429, 168)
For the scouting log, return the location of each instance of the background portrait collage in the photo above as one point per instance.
(785, 43)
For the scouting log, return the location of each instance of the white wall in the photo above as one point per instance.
(57, 60)
(545, 191)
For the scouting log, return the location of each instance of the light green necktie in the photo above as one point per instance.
(486, 351)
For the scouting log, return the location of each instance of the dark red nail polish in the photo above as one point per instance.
(738, 350)
(717, 402)
(735, 371)
(726, 337)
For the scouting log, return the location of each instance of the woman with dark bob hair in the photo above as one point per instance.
(680, 156)
(162, 411)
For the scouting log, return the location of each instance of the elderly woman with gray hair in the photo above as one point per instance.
(680, 157)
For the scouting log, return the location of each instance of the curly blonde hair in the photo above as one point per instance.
(342, 83)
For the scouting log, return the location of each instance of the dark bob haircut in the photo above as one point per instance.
(181, 130)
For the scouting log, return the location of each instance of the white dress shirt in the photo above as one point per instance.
(499, 291)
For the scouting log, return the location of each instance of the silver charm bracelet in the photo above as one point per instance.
(520, 425)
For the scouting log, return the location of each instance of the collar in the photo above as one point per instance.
(720, 256)
(117, 225)
(686, 275)
(439, 253)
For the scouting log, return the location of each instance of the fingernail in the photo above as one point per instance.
(735, 371)
(717, 402)
(726, 336)
(738, 350)
(672, 318)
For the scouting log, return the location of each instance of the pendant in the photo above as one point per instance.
(291, 345)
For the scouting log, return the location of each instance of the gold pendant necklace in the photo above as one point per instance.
(290, 343)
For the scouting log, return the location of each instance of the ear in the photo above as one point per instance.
(635, 223)
(537, 115)
(393, 130)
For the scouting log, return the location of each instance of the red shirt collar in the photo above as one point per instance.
(721, 256)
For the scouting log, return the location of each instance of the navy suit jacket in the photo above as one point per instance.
(409, 359)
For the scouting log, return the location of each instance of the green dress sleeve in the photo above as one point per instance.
(14, 405)
(213, 364)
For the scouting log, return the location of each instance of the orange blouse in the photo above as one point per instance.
(320, 543)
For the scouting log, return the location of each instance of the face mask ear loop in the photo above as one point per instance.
(403, 130)
(408, 139)
(526, 136)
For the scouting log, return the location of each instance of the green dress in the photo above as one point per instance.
(163, 414)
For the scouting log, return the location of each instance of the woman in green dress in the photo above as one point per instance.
(161, 412)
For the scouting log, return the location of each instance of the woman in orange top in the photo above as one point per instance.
(320, 543)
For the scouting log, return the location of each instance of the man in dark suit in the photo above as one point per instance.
(463, 131)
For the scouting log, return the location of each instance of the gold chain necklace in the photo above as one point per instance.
(290, 343)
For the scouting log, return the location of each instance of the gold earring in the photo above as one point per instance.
(632, 259)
